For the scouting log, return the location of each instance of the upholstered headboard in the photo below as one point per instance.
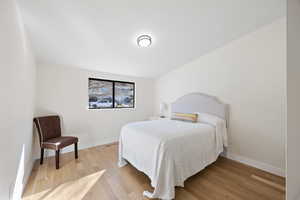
(200, 103)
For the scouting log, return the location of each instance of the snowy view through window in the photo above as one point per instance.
(101, 94)
(124, 95)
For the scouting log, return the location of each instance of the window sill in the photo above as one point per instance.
(107, 109)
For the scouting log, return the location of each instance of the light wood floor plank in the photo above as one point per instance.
(95, 175)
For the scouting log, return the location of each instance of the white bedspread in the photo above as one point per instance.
(169, 151)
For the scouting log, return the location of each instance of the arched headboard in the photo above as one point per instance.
(200, 103)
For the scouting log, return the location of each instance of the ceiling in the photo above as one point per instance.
(101, 34)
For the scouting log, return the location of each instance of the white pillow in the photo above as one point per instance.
(210, 119)
(217, 122)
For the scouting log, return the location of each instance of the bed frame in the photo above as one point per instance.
(201, 103)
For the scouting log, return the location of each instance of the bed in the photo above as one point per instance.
(170, 151)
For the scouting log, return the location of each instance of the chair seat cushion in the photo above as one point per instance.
(59, 142)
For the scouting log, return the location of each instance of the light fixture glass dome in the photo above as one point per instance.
(144, 41)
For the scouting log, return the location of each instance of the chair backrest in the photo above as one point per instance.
(48, 127)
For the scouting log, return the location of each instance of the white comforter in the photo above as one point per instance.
(170, 151)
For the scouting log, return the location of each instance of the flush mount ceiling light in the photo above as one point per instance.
(144, 40)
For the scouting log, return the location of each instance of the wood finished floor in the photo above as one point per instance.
(96, 176)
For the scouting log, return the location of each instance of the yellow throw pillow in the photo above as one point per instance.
(185, 117)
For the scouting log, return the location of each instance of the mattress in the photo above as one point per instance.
(169, 151)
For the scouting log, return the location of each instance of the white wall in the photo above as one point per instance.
(64, 90)
(293, 96)
(17, 80)
(249, 75)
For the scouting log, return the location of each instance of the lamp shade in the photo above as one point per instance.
(162, 109)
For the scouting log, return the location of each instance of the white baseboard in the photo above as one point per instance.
(247, 161)
(15, 195)
(49, 152)
(254, 163)
(27, 173)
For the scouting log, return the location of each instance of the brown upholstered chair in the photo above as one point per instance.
(50, 136)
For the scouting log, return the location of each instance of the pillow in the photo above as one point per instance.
(217, 122)
(209, 119)
(185, 117)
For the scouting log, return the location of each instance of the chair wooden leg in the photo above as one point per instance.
(76, 150)
(57, 158)
(42, 156)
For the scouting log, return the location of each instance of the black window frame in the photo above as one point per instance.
(113, 93)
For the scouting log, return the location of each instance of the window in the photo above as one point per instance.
(110, 94)
(100, 93)
(124, 95)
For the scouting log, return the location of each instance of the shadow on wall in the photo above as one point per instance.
(35, 143)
